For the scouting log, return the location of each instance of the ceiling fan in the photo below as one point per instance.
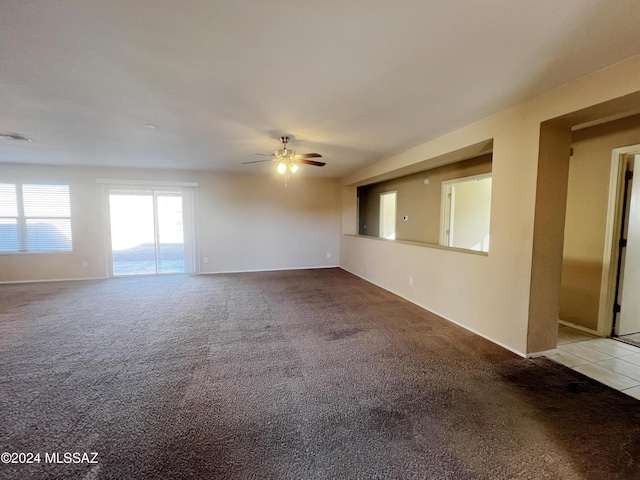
(288, 160)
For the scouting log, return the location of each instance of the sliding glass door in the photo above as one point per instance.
(147, 232)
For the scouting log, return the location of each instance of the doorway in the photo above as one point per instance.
(626, 321)
(147, 232)
(388, 215)
(596, 226)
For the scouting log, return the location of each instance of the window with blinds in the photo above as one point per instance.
(35, 218)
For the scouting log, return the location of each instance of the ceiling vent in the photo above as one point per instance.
(14, 136)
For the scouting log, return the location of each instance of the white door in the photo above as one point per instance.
(629, 319)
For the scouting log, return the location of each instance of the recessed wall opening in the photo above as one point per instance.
(559, 246)
(595, 234)
(448, 206)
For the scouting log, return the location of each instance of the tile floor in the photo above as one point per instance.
(606, 360)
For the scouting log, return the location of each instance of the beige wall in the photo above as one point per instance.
(244, 222)
(589, 173)
(510, 296)
(420, 202)
(255, 223)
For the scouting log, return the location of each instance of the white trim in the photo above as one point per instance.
(106, 228)
(445, 213)
(146, 183)
(545, 353)
(268, 270)
(54, 280)
(492, 340)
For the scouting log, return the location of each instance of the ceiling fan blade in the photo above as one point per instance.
(265, 154)
(308, 155)
(258, 161)
(311, 162)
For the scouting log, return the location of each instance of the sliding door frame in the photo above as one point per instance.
(188, 192)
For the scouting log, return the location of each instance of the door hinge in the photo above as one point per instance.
(622, 243)
(628, 175)
(616, 308)
(571, 152)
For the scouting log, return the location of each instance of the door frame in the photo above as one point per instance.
(189, 198)
(612, 234)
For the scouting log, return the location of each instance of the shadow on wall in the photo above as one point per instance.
(580, 292)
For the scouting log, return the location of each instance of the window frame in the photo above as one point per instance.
(22, 220)
(447, 206)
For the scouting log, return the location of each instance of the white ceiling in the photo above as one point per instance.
(354, 80)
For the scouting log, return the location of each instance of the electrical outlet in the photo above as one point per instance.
(205, 259)
(411, 281)
(328, 255)
(85, 263)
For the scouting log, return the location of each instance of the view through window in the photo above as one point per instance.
(466, 212)
(35, 218)
(147, 232)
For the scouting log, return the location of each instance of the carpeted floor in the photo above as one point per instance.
(289, 375)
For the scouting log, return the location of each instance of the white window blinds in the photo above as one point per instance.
(35, 218)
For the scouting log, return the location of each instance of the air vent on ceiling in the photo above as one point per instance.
(14, 136)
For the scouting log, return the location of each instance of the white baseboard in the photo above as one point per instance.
(492, 340)
(53, 280)
(155, 275)
(268, 270)
(545, 353)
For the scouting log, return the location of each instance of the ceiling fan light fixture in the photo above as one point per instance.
(287, 161)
